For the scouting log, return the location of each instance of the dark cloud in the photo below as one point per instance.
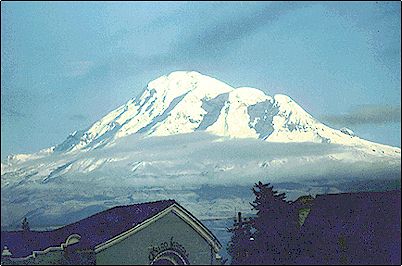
(367, 114)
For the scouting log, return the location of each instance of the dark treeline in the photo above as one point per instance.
(347, 228)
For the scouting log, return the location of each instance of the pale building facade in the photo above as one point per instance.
(153, 233)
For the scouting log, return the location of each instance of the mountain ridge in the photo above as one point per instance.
(187, 101)
(185, 132)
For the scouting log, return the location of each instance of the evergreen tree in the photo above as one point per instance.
(275, 226)
(25, 225)
(240, 245)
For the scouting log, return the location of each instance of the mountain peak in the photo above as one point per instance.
(178, 83)
(175, 79)
(283, 98)
(188, 101)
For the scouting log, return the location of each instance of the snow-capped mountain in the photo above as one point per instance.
(185, 102)
(185, 131)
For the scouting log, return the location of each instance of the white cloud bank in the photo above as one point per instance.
(192, 168)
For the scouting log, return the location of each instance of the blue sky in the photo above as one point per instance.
(65, 65)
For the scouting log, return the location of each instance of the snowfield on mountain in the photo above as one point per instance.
(195, 139)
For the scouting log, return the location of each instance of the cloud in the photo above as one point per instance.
(367, 114)
(12, 101)
(78, 68)
(78, 117)
(12, 113)
(185, 167)
(205, 32)
(218, 37)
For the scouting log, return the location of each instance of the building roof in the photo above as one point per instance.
(362, 227)
(345, 207)
(94, 230)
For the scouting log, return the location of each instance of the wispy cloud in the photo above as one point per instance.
(12, 113)
(78, 117)
(367, 114)
(78, 68)
(204, 33)
(12, 100)
(226, 31)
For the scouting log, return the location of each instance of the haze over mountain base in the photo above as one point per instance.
(209, 175)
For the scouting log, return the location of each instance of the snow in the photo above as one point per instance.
(234, 119)
(347, 131)
(188, 113)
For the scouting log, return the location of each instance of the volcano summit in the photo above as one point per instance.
(193, 138)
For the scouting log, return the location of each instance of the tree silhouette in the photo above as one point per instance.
(275, 226)
(240, 245)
